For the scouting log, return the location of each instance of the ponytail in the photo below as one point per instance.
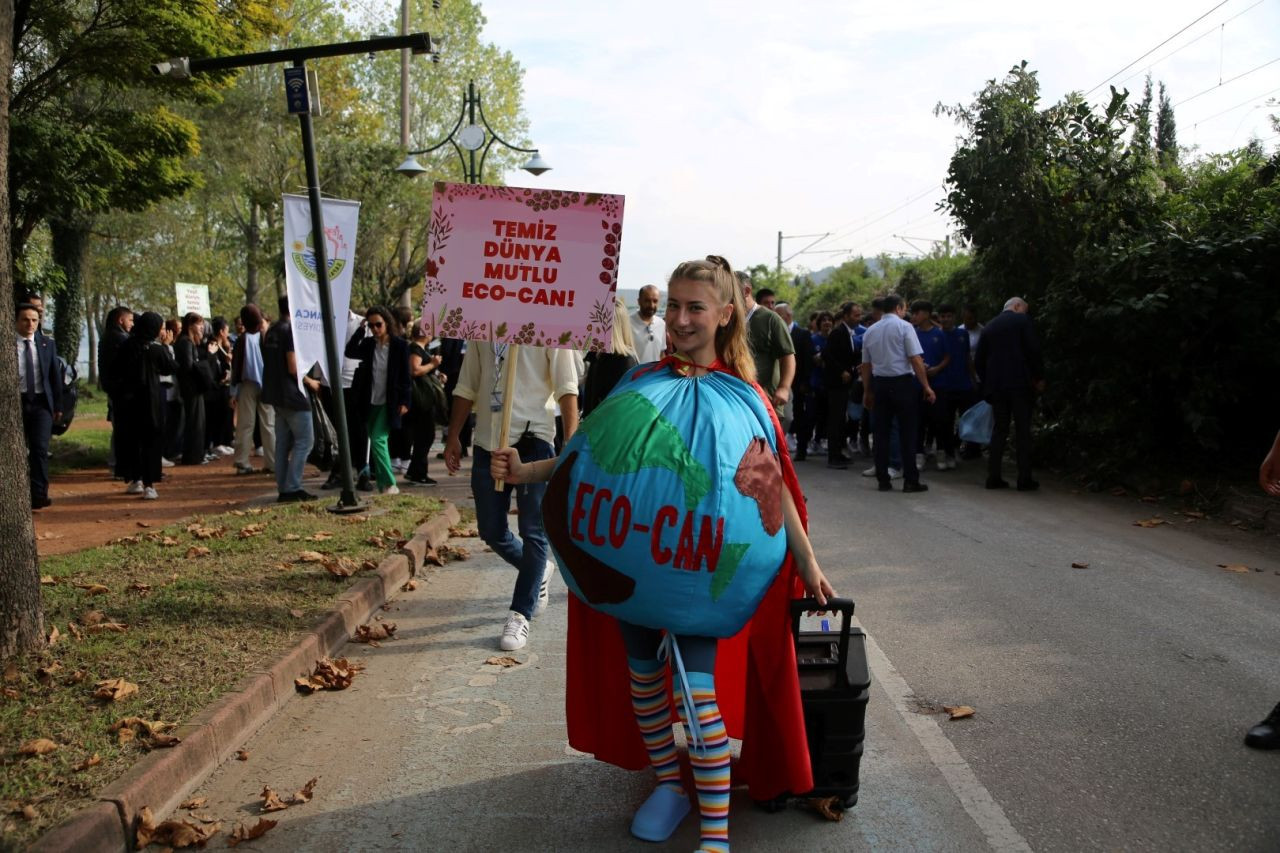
(731, 339)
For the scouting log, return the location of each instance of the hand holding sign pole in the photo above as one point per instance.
(523, 267)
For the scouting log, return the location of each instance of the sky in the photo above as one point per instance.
(724, 123)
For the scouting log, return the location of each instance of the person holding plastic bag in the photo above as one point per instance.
(722, 566)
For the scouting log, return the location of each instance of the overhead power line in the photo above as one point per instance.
(1157, 47)
(842, 234)
(1216, 28)
(1225, 82)
(1243, 103)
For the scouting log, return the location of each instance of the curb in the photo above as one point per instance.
(162, 779)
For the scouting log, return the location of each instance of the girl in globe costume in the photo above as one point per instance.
(744, 686)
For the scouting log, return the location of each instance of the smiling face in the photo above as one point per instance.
(694, 313)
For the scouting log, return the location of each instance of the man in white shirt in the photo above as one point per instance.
(891, 354)
(544, 378)
(648, 329)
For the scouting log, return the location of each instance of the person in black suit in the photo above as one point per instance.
(379, 344)
(451, 352)
(40, 384)
(1011, 367)
(115, 331)
(140, 403)
(801, 392)
(839, 368)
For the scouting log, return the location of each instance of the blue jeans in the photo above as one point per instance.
(528, 553)
(294, 437)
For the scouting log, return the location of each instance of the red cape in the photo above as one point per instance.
(757, 685)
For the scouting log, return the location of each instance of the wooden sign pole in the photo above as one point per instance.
(508, 391)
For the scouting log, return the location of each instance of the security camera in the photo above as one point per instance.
(179, 68)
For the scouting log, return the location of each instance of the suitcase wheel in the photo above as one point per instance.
(849, 802)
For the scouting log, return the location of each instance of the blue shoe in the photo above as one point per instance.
(658, 818)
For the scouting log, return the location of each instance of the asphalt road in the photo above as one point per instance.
(1111, 701)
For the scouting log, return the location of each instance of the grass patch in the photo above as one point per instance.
(195, 627)
(79, 448)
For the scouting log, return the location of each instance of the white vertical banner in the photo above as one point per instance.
(339, 220)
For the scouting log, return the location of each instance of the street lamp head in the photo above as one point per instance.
(536, 165)
(411, 168)
(179, 68)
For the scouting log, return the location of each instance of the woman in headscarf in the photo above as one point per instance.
(141, 362)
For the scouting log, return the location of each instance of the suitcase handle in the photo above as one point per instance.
(844, 606)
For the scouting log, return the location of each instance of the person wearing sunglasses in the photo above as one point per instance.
(647, 328)
(379, 344)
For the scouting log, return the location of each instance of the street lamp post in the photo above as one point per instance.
(466, 141)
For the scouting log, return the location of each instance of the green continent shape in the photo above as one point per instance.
(650, 441)
(730, 556)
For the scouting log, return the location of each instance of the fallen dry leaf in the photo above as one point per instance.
(38, 746)
(504, 661)
(1079, 565)
(828, 807)
(371, 633)
(958, 712)
(290, 537)
(114, 689)
(172, 833)
(1150, 522)
(409, 585)
(250, 530)
(199, 531)
(241, 833)
(194, 803)
(1239, 568)
(125, 736)
(143, 588)
(11, 693)
(45, 673)
(197, 551)
(11, 671)
(311, 557)
(271, 802)
(368, 566)
(92, 617)
(1193, 513)
(341, 567)
(108, 627)
(296, 613)
(377, 541)
(242, 755)
(1119, 491)
(329, 674)
(168, 541)
(29, 812)
(160, 741)
(54, 634)
(304, 795)
(92, 588)
(76, 677)
(75, 630)
(48, 580)
(1150, 499)
(144, 524)
(320, 536)
(92, 761)
(464, 532)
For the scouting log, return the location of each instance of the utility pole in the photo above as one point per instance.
(781, 237)
(406, 296)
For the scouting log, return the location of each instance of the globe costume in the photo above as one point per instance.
(665, 512)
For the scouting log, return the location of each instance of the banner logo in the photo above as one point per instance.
(304, 254)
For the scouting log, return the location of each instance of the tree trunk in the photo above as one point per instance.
(70, 249)
(21, 614)
(252, 240)
(91, 328)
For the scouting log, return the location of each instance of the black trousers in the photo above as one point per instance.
(1006, 405)
(802, 418)
(357, 431)
(140, 440)
(896, 397)
(422, 431)
(193, 423)
(934, 422)
(37, 426)
(837, 411)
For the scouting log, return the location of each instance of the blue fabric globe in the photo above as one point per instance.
(665, 508)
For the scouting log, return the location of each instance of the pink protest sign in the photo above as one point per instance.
(522, 266)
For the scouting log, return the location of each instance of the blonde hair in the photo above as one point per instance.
(731, 339)
(623, 341)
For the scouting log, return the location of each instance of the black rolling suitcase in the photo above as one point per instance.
(835, 683)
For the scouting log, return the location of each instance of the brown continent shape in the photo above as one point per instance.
(759, 477)
(599, 583)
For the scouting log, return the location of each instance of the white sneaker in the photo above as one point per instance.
(948, 463)
(150, 494)
(895, 473)
(871, 472)
(391, 490)
(515, 633)
(919, 461)
(257, 451)
(134, 488)
(166, 463)
(224, 450)
(544, 591)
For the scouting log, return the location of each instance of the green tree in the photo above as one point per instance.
(1166, 132)
(1141, 141)
(88, 132)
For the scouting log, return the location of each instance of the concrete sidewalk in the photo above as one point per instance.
(433, 749)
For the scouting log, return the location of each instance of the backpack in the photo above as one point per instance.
(70, 395)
